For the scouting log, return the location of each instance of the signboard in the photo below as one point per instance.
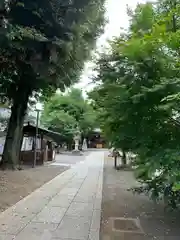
(2, 142)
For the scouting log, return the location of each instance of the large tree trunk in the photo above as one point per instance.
(12, 147)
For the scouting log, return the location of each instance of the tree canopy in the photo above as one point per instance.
(43, 46)
(67, 112)
(139, 96)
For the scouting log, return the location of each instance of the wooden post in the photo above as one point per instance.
(115, 155)
(115, 161)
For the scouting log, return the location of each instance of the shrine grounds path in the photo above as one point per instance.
(67, 207)
(89, 201)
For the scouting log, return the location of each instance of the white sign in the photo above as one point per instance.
(2, 142)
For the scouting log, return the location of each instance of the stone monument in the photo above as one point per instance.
(84, 146)
(77, 137)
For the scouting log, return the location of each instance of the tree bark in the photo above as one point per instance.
(124, 159)
(12, 147)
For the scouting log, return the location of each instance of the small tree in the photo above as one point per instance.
(72, 109)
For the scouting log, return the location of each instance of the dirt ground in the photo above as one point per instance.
(15, 185)
(139, 218)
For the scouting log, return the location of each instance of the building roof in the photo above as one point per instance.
(56, 136)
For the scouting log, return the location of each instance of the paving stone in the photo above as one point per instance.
(13, 223)
(69, 191)
(99, 188)
(96, 219)
(6, 237)
(93, 235)
(100, 182)
(84, 198)
(82, 172)
(94, 178)
(80, 209)
(99, 195)
(37, 231)
(87, 191)
(50, 215)
(59, 238)
(75, 183)
(45, 192)
(73, 228)
(31, 206)
(97, 204)
(61, 201)
(64, 207)
(88, 187)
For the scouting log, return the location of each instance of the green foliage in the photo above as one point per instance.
(62, 122)
(65, 112)
(35, 29)
(139, 97)
(43, 46)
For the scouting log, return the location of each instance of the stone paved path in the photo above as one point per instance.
(67, 159)
(68, 207)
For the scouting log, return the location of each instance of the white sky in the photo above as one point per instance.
(117, 16)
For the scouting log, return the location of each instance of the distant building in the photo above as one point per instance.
(5, 113)
(95, 139)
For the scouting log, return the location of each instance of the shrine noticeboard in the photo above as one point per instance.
(2, 142)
